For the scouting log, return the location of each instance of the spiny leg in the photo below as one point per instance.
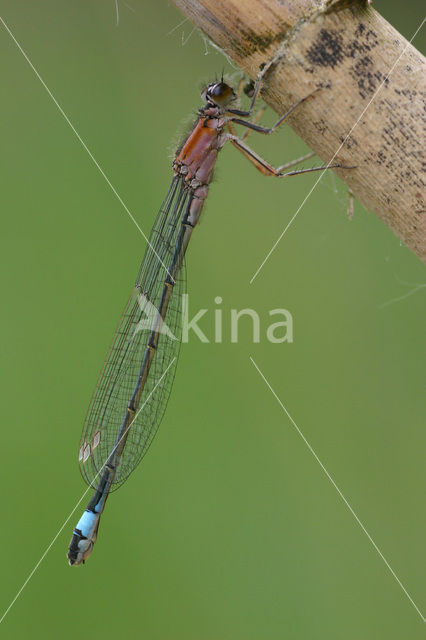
(247, 133)
(267, 130)
(293, 163)
(268, 170)
(262, 165)
(256, 118)
(254, 93)
(243, 85)
(246, 113)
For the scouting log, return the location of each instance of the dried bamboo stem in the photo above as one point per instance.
(372, 78)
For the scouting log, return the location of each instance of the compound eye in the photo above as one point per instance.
(218, 89)
(220, 93)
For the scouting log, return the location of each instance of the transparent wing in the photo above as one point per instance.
(122, 365)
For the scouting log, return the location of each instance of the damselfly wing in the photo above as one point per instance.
(122, 365)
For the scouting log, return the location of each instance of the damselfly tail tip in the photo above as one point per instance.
(71, 561)
(79, 550)
(83, 538)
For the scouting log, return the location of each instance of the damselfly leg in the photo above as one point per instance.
(248, 89)
(268, 170)
(251, 125)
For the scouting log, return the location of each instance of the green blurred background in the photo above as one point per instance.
(229, 529)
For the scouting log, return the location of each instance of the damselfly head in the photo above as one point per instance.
(218, 93)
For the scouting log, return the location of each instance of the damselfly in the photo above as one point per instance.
(136, 380)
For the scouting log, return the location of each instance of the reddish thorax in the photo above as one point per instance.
(197, 157)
